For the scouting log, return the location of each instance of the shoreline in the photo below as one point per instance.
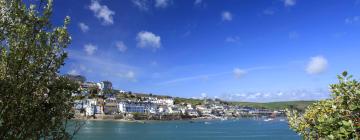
(190, 120)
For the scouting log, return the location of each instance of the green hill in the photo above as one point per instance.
(300, 105)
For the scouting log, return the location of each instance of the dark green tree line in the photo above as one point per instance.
(35, 102)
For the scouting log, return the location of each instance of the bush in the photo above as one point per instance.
(335, 118)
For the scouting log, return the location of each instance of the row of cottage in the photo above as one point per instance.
(151, 105)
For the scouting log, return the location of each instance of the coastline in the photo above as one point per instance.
(108, 118)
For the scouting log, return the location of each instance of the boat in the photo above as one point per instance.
(268, 119)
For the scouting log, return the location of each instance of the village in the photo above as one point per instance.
(101, 101)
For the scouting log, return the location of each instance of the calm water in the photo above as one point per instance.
(184, 130)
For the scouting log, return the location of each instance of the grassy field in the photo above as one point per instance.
(300, 105)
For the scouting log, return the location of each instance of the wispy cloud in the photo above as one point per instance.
(162, 3)
(73, 72)
(289, 3)
(232, 39)
(90, 49)
(130, 75)
(282, 95)
(83, 27)
(236, 71)
(197, 2)
(120, 45)
(143, 5)
(102, 12)
(103, 66)
(226, 16)
(196, 77)
(351, 20)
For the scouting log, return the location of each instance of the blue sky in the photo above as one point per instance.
(244, 50)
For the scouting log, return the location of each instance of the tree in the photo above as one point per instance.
(35, 102)
(93, 91)
(335, 118)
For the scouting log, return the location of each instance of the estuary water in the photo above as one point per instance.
(186, 130)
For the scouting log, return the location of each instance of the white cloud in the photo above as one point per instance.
(147, 39)
(141, 4)
(289, 3)
(90, 49)
(73, 72)
(232, 39)
(120, 45)
(351, 20)
(317, 65)
(238, 73)
(197, 2)
(162, 3)
(102, 12)
(226, 16)
(83, 27)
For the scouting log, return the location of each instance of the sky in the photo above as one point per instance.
(240, 50)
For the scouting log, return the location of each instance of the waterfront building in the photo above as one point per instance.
(90, 106)
(192, 113)
(205, 112)
(175, 110)
(111, 106)
(138, 107)
(78, 104)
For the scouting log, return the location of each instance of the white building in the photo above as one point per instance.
(139, 107)
(122, 91)
(162, 101)
(91, 107)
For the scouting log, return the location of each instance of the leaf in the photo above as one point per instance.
(344, 74)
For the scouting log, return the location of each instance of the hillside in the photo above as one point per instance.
(300, 105)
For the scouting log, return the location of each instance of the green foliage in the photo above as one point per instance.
(35, 102)
(188, 101)
(298, 105)
(335, 118)
(78, 97)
